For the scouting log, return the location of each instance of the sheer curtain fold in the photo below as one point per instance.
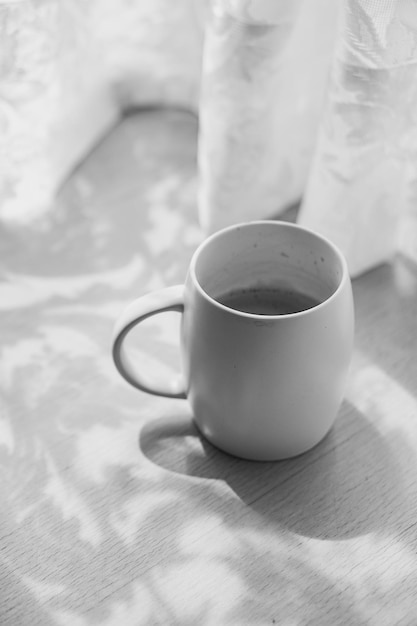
(311, 101)
(361, 178)
(263, 84)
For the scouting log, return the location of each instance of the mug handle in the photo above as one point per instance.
(160, 301)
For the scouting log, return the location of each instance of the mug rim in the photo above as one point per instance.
(281, 223)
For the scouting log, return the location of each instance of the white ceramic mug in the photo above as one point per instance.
(261, 386)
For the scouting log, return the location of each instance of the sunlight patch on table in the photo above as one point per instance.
(360, 568)
(380, 397)
(137, 610)
(198, 590)
(50, 341)
(166, 327)
(42, 590)
(23, 290)
(70, 505)
(131, 516)
(208, 536)
(7, 440)
(21, 354)
(101, 448)
(405, 280)
(167, 224)
(37, 364)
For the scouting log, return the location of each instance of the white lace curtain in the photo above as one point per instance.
(298, 100)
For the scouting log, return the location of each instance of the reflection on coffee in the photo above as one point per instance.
(268, 301)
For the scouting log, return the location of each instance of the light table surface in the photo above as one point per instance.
(114, 511)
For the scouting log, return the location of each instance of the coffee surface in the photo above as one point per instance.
(268, 301)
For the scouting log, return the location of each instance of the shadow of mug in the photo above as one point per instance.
(337, 490)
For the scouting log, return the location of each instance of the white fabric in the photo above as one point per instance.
(67, 70)
(365, 163)
(275, 126)
(262, 93)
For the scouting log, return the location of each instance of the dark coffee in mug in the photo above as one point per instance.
(268, 300)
